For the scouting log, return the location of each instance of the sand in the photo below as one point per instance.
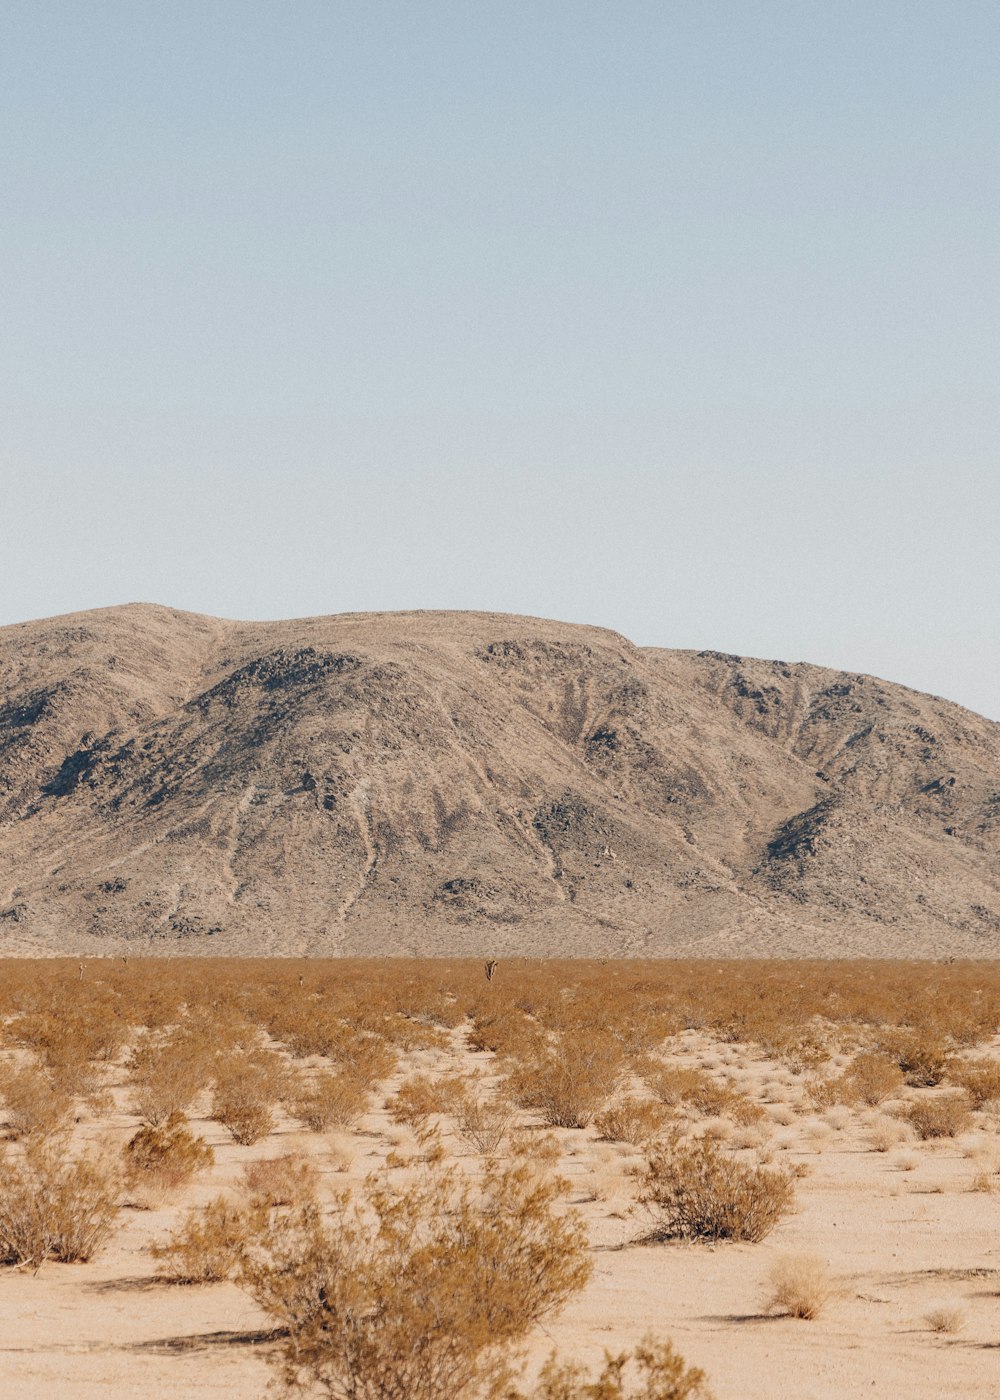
(902, 1231)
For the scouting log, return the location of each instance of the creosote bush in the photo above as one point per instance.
(35, 1107)
(653, 1371)
(482, 1121)
(54, 1209)
(871, 1078)
(980, 1078)
(328, 1099)
(288, 1180)
(209, 1244)
(944, 1115)
(922, 1055)
(681, 1087)
(696, 1191)
(418, 1292)
(167, 1071)
(247, 1086)
(635, 1121)
(162, 1158)
(422, 1097)
(568, 1082)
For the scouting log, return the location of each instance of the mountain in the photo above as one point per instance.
(476, 783)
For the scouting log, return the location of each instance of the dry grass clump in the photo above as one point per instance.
(35, 1107)
(800, 1285)
(54, 1209)
(948, 1318)
(885, 1133)
(327, 1099)
(698, 1192)
(653, 1371)
(247, 1086)
(635, 1121)
(417, 1292)
(569, 1081)
(944, 1115)
(162, 1158)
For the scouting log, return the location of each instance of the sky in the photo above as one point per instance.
(677, 318)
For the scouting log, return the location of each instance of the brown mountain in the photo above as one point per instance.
(472, 782)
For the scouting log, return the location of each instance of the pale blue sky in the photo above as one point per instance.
(681, 318)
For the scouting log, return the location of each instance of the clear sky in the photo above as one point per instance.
(677, 317)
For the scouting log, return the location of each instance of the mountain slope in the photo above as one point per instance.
(460, 782)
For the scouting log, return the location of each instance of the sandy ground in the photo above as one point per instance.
(902, 1230)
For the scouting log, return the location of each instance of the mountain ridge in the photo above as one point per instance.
(428, 782)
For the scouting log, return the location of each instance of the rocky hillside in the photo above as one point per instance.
(471, 782)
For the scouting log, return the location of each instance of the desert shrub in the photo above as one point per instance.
(673, 1085)
(167, 1072)
(695, 1191)
(693, 1088)
(482, 1122)
(328, 1100)
(247, 1086)
(416, 1293)
(34, 1105)
(165, 1157)
(288, 1180)
(70, 1035)
(631, 1120)
(311, 1032)
(54, 1209)
(540, 1150)
(568, 1082)
(921, 1055)
(825, 1091)
(422, 1097)
(944, 1115)
(980, 1078)
(871, 1078)
(505, 1031)
(209, 1244)
(653, 1371)
(800, 1285)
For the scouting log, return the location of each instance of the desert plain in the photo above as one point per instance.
(867, 1094)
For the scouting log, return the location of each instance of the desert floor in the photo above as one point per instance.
(902, 1229)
